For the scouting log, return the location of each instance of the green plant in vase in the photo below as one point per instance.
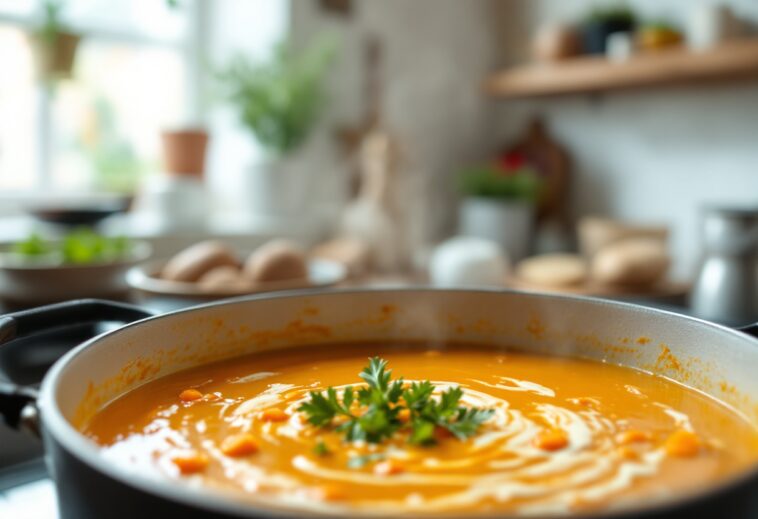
(499, 202)
(53, 46)
(279, 100)
(508, 178)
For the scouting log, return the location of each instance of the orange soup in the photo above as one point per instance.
(524, 434)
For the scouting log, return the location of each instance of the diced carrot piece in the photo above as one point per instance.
(273, 414)
(682, 444)
(404, 415)
(190, 395)
(211, 397)
(239, 445)
(190, 462)
(328, 493)
(389, 468)
(633, 436)
(551, 440)
(628, 453)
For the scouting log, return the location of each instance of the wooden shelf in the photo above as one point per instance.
(733, 60)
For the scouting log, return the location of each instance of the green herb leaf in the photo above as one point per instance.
(448, 405)
(376, 374)
(320, 449)
(347, 397)
(417, 395)
(395, 391)
(381, 398)
(422, 432)
(467, 422)
(319, 409)
(353, 431)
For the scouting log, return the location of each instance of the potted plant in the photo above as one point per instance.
(499, 203)
(604, 21)
(184, 151)
(53, 47)
(279, 101)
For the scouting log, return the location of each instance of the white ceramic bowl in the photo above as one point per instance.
(40, 282)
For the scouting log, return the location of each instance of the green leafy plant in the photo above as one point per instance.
(280, 100)
(619, 12)
(383, 399)
(33, 246)
(82, 246)
(509, 178)
(51, 21)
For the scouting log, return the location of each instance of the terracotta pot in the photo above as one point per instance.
(184, 152)
(556, 42)
(54, 56)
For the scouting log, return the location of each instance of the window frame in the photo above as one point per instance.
(188, 48)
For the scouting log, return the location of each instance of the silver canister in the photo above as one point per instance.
(726, 285)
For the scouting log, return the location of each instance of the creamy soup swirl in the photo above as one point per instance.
(563, 435)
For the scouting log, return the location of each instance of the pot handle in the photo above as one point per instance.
(16, 401)
(751, 329)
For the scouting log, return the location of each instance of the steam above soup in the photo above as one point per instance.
(453, 429)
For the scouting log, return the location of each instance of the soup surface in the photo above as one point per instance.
(555, 435)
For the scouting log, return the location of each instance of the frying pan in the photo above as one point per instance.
(718, 361)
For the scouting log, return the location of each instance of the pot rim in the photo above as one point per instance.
(77, 445)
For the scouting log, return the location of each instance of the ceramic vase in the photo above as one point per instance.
(509, 223)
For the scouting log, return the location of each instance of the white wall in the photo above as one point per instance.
(436, 52)
(652, 156)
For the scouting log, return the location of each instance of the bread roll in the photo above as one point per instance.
(278, 260)
(191, 263)
(597, 233)
(225, 276)
(553, 270)
(634, 261)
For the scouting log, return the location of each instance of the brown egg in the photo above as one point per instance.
(192, 263)
(278, 260)
(225, 276)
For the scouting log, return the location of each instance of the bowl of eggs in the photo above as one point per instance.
(211, 270)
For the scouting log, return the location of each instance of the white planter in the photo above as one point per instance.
(507, 223)
(275, 188)
(172, 203)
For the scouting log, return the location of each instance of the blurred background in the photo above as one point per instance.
(369, 133)
(175, 151)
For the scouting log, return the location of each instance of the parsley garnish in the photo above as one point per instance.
(381, 399)
(320, 449)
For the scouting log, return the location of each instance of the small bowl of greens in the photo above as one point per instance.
(82, 263)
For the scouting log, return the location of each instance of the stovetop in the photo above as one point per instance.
(26, 491)
(35, 500)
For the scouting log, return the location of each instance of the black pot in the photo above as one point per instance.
(90, 487)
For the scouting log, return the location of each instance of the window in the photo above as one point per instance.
(101, 128)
